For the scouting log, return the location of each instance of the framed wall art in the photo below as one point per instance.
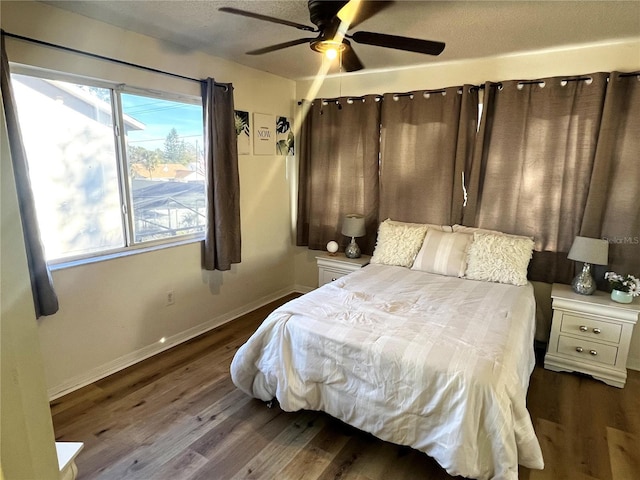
(243, 129)
(284, 137)
(264, 134)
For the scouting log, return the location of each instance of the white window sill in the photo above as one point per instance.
(64, 264)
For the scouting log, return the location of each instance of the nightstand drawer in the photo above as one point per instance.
(591, 328)
(328, 276)
(332, 267)
(585, 350)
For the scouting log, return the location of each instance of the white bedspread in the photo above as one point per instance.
(438, 363)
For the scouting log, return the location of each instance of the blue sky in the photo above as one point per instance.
(160, 116)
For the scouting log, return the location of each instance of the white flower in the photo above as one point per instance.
(613, 277)
(628, 283)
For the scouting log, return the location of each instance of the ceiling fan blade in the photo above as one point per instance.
(350, 60)
(266, 18)
(428, 47)
(356, 11)
(279, 46)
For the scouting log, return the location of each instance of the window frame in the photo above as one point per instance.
(124, 184)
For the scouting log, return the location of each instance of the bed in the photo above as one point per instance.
(435, 362)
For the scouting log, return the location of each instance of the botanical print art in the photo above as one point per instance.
(284, 137)
(242, 132)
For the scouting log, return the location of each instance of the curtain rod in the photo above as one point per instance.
(481, 87)
(105, 58)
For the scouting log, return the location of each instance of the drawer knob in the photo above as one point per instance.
(333, 279)
(583, 328)
(579, 349)
(596, 331)
(593, 352)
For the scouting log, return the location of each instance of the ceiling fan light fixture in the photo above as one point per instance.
(331, 53)
(329, 48)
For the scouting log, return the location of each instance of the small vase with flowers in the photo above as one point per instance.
(624, 287)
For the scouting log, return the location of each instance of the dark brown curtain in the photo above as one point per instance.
(338, 170)
(222, 244)
(45, 299)
(532, 164)
(426, 145)
(612, 210)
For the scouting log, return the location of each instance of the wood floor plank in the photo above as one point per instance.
(623, 451)
(172, 438)
(344, 463)
(269, 462)
(182, 466)
(178, 416)
(318, 454)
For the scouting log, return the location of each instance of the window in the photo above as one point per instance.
(112, 168)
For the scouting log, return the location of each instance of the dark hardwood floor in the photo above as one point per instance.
(178, 416)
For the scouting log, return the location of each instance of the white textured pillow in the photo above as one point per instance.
(430, 226)
(499, 258)
(443, 253)
(398, 243)
(464, 229)
(471, 230)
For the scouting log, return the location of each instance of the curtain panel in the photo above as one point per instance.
(612, 210)
(222, 244)
(426, 145)
(532, 165)
(45, 299)
(338, 170)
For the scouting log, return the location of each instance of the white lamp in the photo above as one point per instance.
(353, 226)
(588, 250)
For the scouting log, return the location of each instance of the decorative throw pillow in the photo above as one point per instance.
(464, 229)
(499, 258)
(471, 230)
(443, 253)
(398, 243)
(430, 226)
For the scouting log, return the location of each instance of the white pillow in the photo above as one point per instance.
(430, 226)
(471, 230)
(443, 253)
(464, 229)
(499, 258)
(398, 243)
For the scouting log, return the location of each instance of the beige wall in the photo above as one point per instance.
(27, 445)
(620, 56)
(112, 313)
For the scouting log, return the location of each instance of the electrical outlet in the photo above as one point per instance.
(170, 299)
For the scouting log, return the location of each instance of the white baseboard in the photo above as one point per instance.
(301, 289)
(633, 363)
(132, 358)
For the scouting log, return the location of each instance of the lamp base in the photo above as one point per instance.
(352, 250)
(584, 283)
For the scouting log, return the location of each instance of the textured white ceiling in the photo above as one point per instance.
(471, 29)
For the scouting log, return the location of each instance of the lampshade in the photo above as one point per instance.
(589, 250)
(353, 225)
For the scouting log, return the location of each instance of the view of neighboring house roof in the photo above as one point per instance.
(149, 195)
(79, 100)
(165, 171)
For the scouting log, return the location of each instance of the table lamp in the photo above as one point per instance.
(587, 250)
(353, 226)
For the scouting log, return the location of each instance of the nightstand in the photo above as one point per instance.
(332, 267)
(590, 334)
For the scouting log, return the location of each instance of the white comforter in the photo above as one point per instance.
(438, 363)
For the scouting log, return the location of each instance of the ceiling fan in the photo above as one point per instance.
(332, 20)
